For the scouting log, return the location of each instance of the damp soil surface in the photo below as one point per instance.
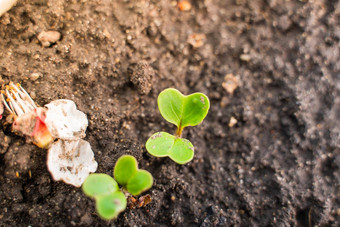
(268, 153)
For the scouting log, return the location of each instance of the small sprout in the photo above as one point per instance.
(182, 111)
(127, 174)
(71, 161)
(110, 201)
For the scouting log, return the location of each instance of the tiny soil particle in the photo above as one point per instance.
(157, 135)
(232, 122)
(196, 40)
(202, 100)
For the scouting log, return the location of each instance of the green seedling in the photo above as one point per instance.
(128, 175)
(110, 200)
(182, 111)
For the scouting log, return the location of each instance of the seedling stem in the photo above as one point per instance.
(179, 130)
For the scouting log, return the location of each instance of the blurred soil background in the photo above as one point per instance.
(268, 153)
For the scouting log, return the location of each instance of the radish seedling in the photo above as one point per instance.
(182, 111)
(110, 201)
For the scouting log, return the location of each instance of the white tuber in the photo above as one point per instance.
(64, 121)
(71, 161)
(5, 5)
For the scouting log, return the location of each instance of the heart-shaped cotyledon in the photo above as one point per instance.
(110, 201)
(127, 174)
(183, 110)
(162, 144)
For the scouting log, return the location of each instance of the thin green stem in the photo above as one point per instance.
(179, 130)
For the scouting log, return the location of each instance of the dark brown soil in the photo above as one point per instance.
(278, 166)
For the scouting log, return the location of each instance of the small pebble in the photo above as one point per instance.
(232, 122)
(48, 37)
(230, 83)
(184, 5)
(245, 57)
(34, 76)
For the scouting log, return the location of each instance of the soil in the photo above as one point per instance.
(278, 165)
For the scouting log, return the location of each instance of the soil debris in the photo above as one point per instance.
(142, 76)
(196, 40)
(142, 201)
(4, 142)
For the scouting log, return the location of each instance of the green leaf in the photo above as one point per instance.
(127, 174)
(109, 206)
(139, 182)
(125, 168)
(98, 184)
(163, 144)
(183, 110)
(170, 104)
